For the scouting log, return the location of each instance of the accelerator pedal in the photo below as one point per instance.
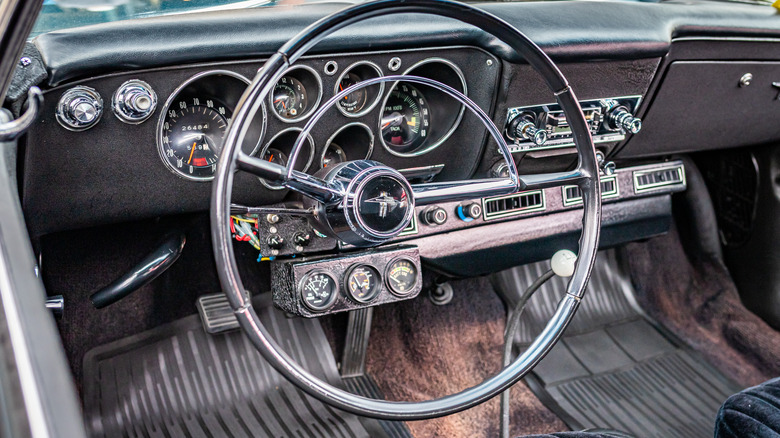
(216, 314)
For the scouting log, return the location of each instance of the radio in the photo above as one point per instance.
(545, 126)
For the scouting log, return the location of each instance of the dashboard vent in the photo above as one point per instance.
(645, 180)
(609, 189)
(510, 205)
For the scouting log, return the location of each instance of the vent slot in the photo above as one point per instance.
(645, 180)
(510, 205)
(609, 189)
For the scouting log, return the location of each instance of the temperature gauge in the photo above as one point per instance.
(363, 283)
(319, 291)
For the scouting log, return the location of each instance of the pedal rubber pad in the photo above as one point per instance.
(216, 314)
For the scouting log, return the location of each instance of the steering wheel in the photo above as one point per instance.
(342, 198)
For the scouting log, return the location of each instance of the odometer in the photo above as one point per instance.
(191, 137)
(406, 118)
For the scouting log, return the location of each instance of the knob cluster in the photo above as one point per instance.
(79, 108)
(134, 101)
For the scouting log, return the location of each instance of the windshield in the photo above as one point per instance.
(63, 14)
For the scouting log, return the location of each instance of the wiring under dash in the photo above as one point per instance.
(245, 229)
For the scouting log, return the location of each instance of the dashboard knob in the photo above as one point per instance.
(528, 131)
(79, 108)
(434, 216)
(275, 241)
(134, 101)
(302, 239)
(468, 213)
(619, 117)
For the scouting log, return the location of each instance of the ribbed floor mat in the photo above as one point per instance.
(178, 381)
(614, 368)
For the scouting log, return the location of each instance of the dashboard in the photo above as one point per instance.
(132, 123)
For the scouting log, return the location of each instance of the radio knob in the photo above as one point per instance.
(619, 117)
(523, 127)
(134, 101)
(434, 216)
(79, 108)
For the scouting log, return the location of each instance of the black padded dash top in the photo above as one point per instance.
(754, 412)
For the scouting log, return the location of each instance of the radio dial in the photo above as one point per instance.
(620, 118)
(523, 127)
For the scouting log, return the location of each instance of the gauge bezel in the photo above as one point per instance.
(377, 286)
(310, 109)
(370, 107)
(455, 124)
(343, 128)
(268, 144)
(387, 276)
(172, 98)
(333, 297)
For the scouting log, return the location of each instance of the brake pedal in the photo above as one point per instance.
(216, 314)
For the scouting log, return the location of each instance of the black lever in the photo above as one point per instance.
(143, 273)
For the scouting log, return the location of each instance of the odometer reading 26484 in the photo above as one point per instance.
(191, 137)
(405, 122)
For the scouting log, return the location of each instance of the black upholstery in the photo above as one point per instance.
(754, 412)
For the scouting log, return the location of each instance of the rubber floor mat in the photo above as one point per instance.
(615, 368)
(178, 381)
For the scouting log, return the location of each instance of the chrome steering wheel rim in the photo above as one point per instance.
(585, 176)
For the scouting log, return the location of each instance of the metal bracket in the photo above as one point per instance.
(13, 129)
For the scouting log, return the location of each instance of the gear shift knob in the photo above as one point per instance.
(562, 263)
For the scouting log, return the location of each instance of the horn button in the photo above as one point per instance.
(377, 204)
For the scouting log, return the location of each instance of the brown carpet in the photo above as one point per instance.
(695, 297)
(419, 351)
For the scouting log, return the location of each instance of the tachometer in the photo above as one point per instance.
(405, 122)
(192, 133)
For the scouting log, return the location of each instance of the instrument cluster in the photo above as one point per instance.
(406, 119)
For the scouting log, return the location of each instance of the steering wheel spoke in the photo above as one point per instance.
(431, 193)
(553, 179)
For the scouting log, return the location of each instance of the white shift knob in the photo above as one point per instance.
(562, 263)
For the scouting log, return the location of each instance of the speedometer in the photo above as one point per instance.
(191, 137)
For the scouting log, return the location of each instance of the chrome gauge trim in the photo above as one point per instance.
(279, 134)
(379, 94)
(339, 131)
(455, 124)
(172, 97)
(310, 110)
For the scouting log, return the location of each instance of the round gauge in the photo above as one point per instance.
(401, 276)
(355, 101)
(333, 155)
(319, 291)
(359, 102)
(191, 136)
(275, 156)
(289, 98)
(296, 94)
(363, 283)
(405, 119)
